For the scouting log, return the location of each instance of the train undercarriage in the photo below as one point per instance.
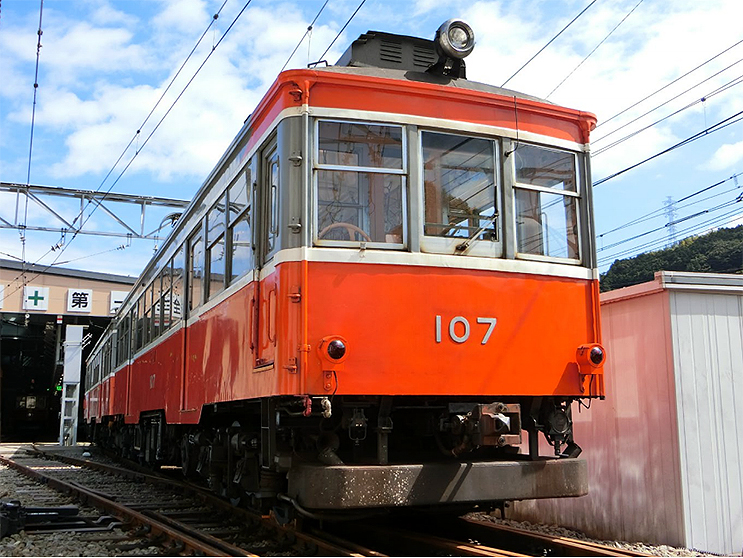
(325, 454)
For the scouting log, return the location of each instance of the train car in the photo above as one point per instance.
(381, 295)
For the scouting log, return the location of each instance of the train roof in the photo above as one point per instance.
(378, 63)
(425, 77)
(403, 57)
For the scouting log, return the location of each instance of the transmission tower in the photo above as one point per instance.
(671, 225)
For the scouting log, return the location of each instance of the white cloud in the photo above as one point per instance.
(726, 156)
(182, 16)
(105, 63)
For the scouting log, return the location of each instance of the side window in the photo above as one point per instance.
(459, 187)
(546, 202)
(216, 257)
(360, 181)
(179, 274)
(271, 195)
(195, 271)
(119, 338)
(156, 308)
(139, 339)
(148, 314)
(239, 232)
(163, 312)
(107, 358)
(125, 338)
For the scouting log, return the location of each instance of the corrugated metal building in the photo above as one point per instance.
(665, 449)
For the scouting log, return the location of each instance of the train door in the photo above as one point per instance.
(266, 287)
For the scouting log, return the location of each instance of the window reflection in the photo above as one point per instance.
(360, 206)
(242, 251)
(546, 202)
(459, 183)
(545, 167)
(360, 145)
(196, 273)
(217, 262)
(360, 185)
(546, 224)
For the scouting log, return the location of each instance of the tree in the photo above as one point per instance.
(720, 251)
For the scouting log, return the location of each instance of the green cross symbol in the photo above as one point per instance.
(36, 298)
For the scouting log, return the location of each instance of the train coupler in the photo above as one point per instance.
(494, 424)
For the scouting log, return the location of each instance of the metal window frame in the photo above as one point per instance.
(402, 172)
(447, 244)
(548, 190)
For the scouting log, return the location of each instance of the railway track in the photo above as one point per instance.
(424, 534)
(178, 518)
(183, 519)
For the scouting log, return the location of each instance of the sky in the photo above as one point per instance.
(655, 73)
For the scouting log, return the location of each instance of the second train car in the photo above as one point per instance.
(382, 294)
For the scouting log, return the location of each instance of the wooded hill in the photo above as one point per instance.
(720, 251)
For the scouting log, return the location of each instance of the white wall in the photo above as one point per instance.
(708, 357)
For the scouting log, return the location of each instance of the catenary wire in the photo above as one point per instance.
(657, 212)
(594, 49)
(121, 247)
(629, 136)
(659, 243)
(721, 89)
(165, 91)
(549, 43)
(309, 28)
(134, 137)
(22, 230)
(322, 57)
(75, 233)
(633, 105)
(728, 219)
(714, 128)
(674, 222)
(655, 243)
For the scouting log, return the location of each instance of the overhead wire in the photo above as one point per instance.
(666, 86)
(121, 247)
(720, 125)
(57, 246)
(721, 89)
(549, 43)
(214, 18)
(711, 223)
(594, 49)
(703, 133)
(98, 202)
(658, 212)
(322, 56)
(309, 30)
(674, 222)
(22, 229)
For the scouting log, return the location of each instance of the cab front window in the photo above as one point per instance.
(360, 181)
(546, 202)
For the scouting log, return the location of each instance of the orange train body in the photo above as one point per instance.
(379, 262)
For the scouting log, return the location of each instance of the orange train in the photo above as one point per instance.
(382, 294)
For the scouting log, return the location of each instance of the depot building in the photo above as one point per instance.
(36, 303)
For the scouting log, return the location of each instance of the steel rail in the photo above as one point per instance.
(409, 542)
(331, 547)
(563, 546)
(128, 516)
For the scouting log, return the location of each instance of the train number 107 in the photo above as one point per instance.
(459, 329)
